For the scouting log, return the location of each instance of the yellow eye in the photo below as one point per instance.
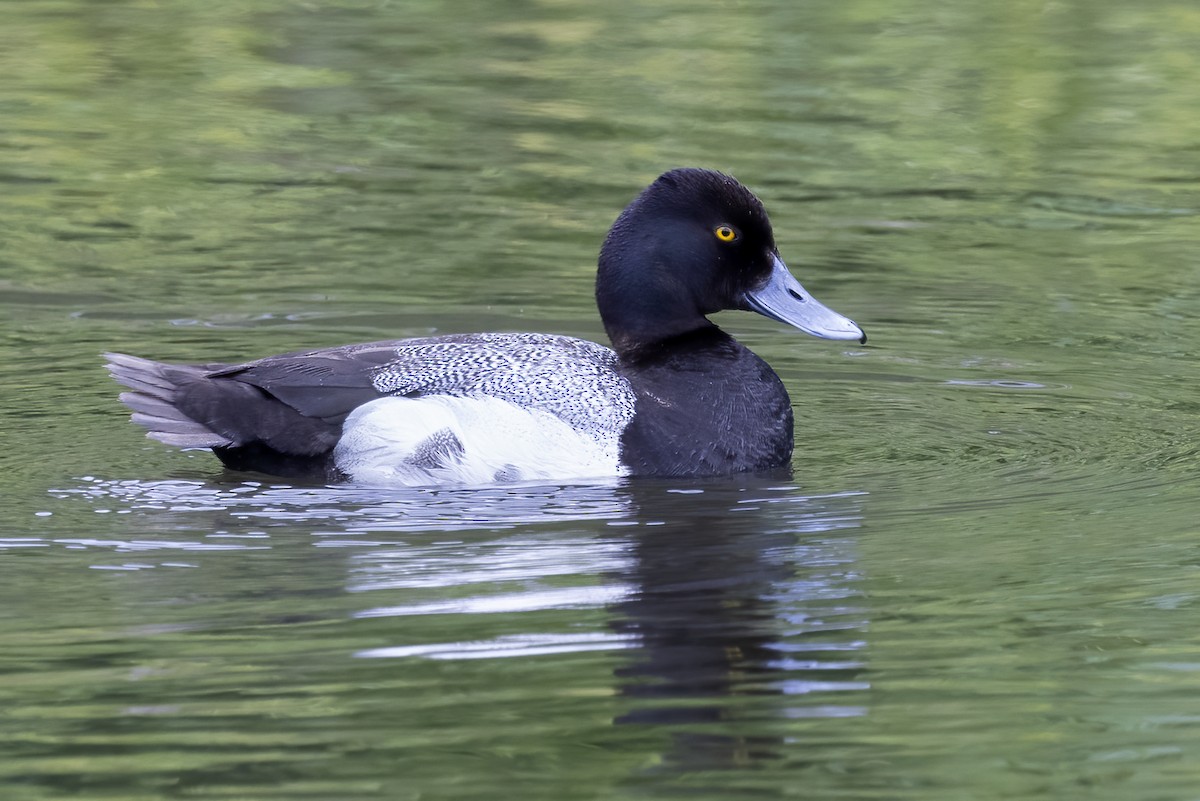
(725, 233)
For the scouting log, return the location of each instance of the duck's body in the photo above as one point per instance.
(677, 396)
(462, 408)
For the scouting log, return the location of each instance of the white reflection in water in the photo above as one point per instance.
(516, 645)
(511, 559)
(358, 509)
(533, 601)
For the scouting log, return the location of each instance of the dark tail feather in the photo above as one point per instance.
(153, 399)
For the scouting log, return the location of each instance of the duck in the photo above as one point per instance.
(674, 396)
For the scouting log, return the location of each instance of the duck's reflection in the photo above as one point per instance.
(744, 602)
(733, 605)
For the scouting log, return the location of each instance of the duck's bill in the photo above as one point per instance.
(782, 298)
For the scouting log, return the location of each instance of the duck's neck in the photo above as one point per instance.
(641, 306)
(646, 349)
(641, 345)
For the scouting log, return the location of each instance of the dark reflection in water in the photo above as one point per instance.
(739, 598)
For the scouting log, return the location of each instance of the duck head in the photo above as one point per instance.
(693, 243)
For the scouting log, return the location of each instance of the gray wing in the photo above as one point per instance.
(572, 378)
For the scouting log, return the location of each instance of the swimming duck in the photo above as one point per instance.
(675, 396)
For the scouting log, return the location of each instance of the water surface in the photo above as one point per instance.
(978, 581)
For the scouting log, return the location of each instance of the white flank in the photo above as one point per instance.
(441, 439)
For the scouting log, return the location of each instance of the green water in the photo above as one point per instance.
(982, 582)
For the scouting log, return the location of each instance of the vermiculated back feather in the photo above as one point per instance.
(573, 379)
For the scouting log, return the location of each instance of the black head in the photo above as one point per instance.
(692, 243)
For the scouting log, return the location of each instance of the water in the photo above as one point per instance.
(979, 582)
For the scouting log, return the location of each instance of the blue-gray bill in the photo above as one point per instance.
(782, 298)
